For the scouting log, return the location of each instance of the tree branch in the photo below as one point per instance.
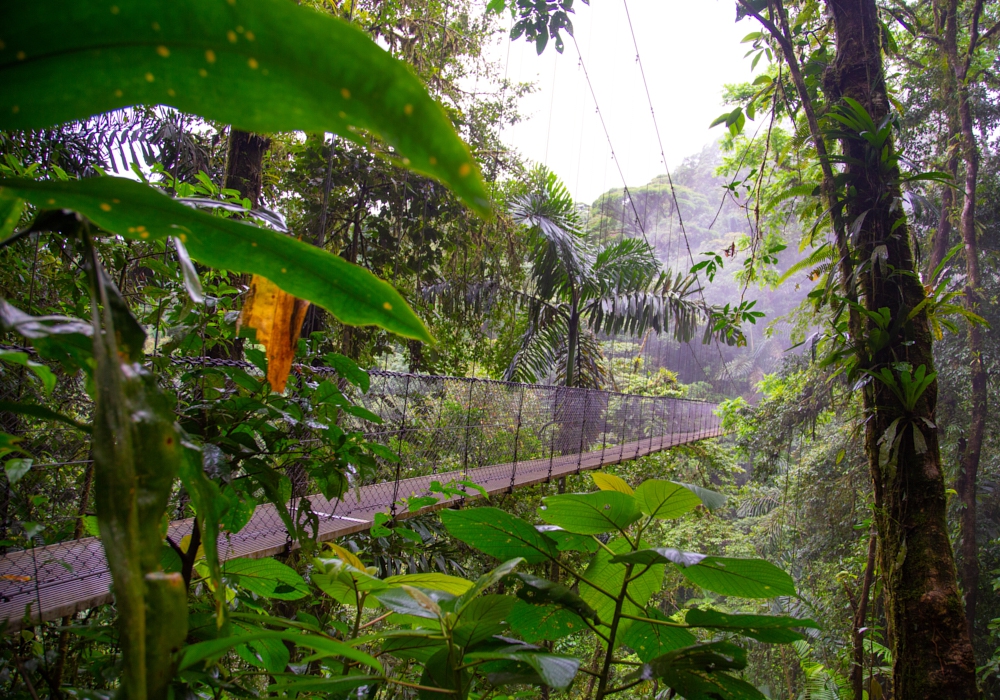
(828, 188)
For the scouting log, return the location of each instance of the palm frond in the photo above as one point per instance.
(591, 371)
(667, 304)
(113, 141)
(623, 266)
(559, 255)
(540, 346)
(454, 297)
(822, 255)
(758, 505)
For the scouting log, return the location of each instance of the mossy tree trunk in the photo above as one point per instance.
(932, 650)
(966, 484)
(245, 164)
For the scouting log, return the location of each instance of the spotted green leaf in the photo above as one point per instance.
(135, 211)
(499, 534)
(665, 500)
(745, 578)
(590, 513)
(260, 65)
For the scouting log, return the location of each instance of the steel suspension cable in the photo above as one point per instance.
(607, 134)
(670, 181)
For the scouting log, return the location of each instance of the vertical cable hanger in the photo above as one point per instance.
(607, 135)
(670, 182)
(627, 193)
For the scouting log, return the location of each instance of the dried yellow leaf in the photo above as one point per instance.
(277, 317)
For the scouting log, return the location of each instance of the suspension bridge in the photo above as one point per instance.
(499, 436)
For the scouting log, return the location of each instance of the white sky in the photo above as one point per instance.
(689, 49)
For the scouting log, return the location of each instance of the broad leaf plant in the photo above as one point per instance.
(264, 65)
(448, 637)
(268, 66)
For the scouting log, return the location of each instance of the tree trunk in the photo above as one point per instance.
(245, 164)
(572, 341)
(941, 242)
(966, 483)
(931, 647)
(244, 173)
(860, 613)
(947, 28)
(347, 341)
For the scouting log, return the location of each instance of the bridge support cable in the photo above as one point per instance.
(471, 435)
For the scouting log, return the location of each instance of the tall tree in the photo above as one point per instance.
(960, 64)
(574, 290)
(888, 337)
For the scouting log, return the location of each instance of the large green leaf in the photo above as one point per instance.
(659, 555)
(665, 499)
(10, 215)
(260, 65)
(610, 482)
(408, 600)
(540, 591)
(214, 648)
(486, 580)
(63, 339)
(746, 578)
(536, 623)
(551, 669)
(482, 618)
(649, 641)
(713, 500)
(412, 644)
(269, 654)
(696, 672)
(36, 411)
(590, 513)
(135, 211)
(208, 507)
(343, 582)
(567, 541)
(433, 581)
(499, 534)
(267, 577)
(44, 374)
(773, 629)
(440, 671)
(338, 687)
(608, 579)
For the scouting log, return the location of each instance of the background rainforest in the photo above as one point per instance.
(825, 272)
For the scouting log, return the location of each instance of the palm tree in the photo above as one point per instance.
(576, 290)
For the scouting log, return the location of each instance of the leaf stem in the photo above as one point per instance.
(662, 623)
(417, 686)
(609, 656)
(625, 687)
(372, 622)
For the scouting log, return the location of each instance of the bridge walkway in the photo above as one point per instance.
(68, 577)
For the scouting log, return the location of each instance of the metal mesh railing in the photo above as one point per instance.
(498, 435)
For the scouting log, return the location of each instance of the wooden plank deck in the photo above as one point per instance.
(72, 576)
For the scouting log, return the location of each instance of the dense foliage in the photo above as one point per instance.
(187, 293)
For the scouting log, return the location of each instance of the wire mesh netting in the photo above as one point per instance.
(458, 432)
